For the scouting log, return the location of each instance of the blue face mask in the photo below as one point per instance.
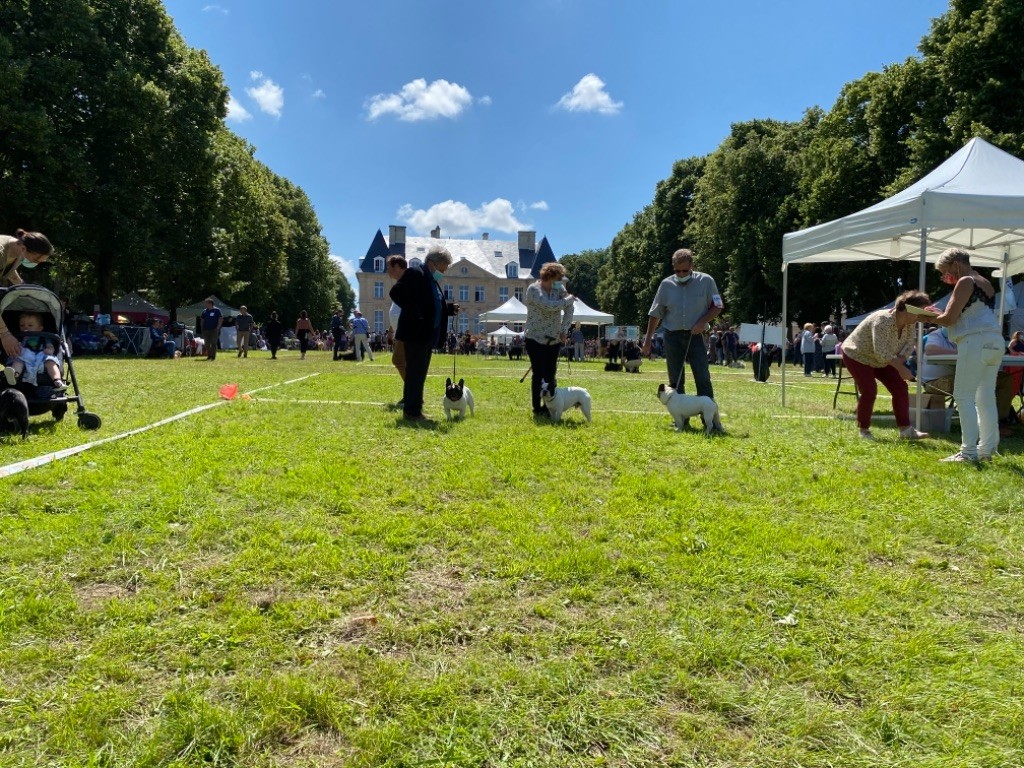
(438, 274)
(28, 264)
(684, 280)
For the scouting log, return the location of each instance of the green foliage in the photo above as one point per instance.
(583, 273)
(884, 132)
(112, 142)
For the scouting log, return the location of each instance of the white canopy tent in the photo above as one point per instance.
(974, 200)
(585, 315)
(512, 311)
(503, 334)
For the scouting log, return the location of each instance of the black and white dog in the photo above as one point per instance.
(14, 412)
(682, 406)
(456, 398)
(564, 399)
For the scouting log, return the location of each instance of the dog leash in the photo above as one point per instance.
(682, 368)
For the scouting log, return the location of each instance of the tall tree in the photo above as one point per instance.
(584, 272)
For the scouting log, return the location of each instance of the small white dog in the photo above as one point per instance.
(564, 399)
(681, 407)
(456, 398)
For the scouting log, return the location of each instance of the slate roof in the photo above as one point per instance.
(489, 255)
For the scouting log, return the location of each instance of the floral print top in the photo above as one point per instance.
(548, 313)
(876, 341)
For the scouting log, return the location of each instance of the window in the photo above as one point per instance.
(449, 292)
(378, 264)
(519, 294)
(413, 262)
(511, 270)
(479, 293)
(478, 324)
(503, 294)
(463, 322)
(518, 327)
(378, 289)
(464, 270)
(463, 293)
(378, 321)
(497, 254)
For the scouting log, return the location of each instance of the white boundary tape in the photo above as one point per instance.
(38, 461)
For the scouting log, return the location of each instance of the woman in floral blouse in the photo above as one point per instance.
(878, 349)
(549, 309)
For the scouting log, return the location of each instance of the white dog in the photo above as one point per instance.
(564, 399)
(456, 398)
(682, 407)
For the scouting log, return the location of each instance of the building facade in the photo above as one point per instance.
(484, 273)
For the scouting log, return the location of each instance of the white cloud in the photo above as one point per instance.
(348, 269)
(215, 9)
(419, 101)
(485, 100)
(540, 205)
(236, 112)
(589, 95)
(268, 94)
(459, 219)
(319, 94)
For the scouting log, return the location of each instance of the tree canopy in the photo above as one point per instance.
(113, 143)
(767, 178)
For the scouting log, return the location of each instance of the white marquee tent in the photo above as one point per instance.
(974, 200)
(514, 311)
(503, 334)
(589, 316)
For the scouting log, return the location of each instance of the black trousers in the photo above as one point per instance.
(544, 360)
(417, 363)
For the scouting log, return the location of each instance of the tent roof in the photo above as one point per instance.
(590, 316)
(195, 310)
(512, 310)
(974, 200)
(135, 303)
(504, 331)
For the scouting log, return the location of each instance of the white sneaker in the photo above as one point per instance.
(11, 375)
(912, 434)
(959, 457)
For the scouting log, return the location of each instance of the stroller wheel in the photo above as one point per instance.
(87, 420)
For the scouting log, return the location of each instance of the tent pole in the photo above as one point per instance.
(785, 328)
(1002, 288)
(920, 327)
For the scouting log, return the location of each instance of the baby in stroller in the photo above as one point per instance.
(37, 356)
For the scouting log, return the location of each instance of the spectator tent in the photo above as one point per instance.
(974, 200)
(188, 315)
(514, 311)
(136, 309)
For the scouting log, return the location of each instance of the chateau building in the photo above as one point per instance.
(484, 273)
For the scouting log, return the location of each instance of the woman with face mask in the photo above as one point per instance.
(971, 324)
(25, 250)
(549, 312)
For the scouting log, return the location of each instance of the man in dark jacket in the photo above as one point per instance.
(422, 324)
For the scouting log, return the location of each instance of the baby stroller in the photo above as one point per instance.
(39, 393)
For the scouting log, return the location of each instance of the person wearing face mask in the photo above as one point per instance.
(686, 302)
(971, 324)
(549, 312)
(25, 250)
(422, 324)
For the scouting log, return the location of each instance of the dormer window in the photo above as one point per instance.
(498, 254)
(378, 264)
(511, 270)
(415, 262)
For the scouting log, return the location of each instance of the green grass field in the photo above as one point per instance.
(302, 579)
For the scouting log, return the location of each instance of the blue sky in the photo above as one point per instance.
(553, 115)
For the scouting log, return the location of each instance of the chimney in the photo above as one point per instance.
(527, 241)
(436, 232)
(396, 235)
(485, 236)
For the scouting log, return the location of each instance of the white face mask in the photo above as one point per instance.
(684, 280)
